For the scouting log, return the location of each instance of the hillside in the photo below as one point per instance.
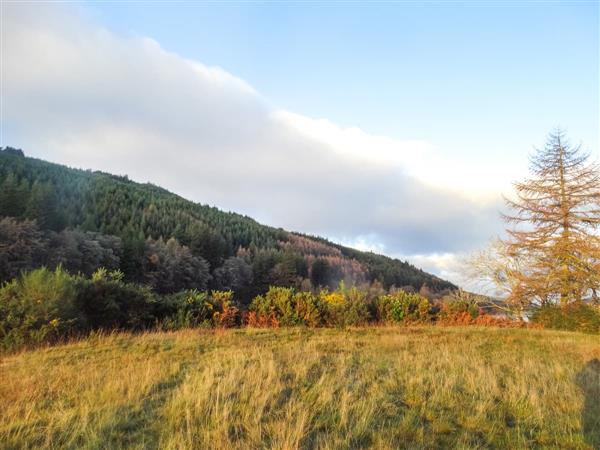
(85, 219)
(429, 387)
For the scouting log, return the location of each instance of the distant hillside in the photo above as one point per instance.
(153, 236)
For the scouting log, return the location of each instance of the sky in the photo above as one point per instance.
(389, 126)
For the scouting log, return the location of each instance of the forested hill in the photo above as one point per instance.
(86, 219)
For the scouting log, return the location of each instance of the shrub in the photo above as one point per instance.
(458, 312)
(38, 307)
(255, 320)
(576, 317)
(43, 305)
(402, 306)
(193, 308)
(186, 309)
(225, 313)
(276, 307)
(106, 302)
(345, 307)
(278, 301)
(285, 307)
(310, 310)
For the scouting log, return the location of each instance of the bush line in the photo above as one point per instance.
(46, 306)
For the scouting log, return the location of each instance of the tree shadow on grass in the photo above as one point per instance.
(135, 424)
(588, 380)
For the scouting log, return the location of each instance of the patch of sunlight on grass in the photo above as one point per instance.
(422, 387)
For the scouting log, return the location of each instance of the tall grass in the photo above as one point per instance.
(422, 387)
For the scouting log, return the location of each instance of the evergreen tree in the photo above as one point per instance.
(13, 197)
(320, 272)
(42, 207)
(22, 247)
(57, 196)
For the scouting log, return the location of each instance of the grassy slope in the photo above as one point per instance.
(382, 387)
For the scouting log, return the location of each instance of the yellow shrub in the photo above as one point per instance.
(333, 298)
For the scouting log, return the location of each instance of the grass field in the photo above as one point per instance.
(428, 387)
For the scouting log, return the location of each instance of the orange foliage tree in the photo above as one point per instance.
(554, 221)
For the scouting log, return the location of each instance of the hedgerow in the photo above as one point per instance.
(44, 306)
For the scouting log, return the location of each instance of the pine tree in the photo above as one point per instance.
(555, 219)
(43, 207)
(13, 197)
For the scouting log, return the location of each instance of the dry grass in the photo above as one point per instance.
(426, 387)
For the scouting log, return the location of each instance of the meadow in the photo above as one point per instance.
(374, 387)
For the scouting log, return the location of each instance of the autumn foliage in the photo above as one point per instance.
(553, 246)
(44, 306)
(354, 307)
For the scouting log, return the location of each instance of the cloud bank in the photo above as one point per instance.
(77, 93)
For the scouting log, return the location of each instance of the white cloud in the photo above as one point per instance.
(355, 143)
(78, 94)
(370, 243)
(447, 265)
(415, 158)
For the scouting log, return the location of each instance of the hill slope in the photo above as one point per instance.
(240, 253)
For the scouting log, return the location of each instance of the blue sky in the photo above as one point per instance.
(395, 127)
(474, 77)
